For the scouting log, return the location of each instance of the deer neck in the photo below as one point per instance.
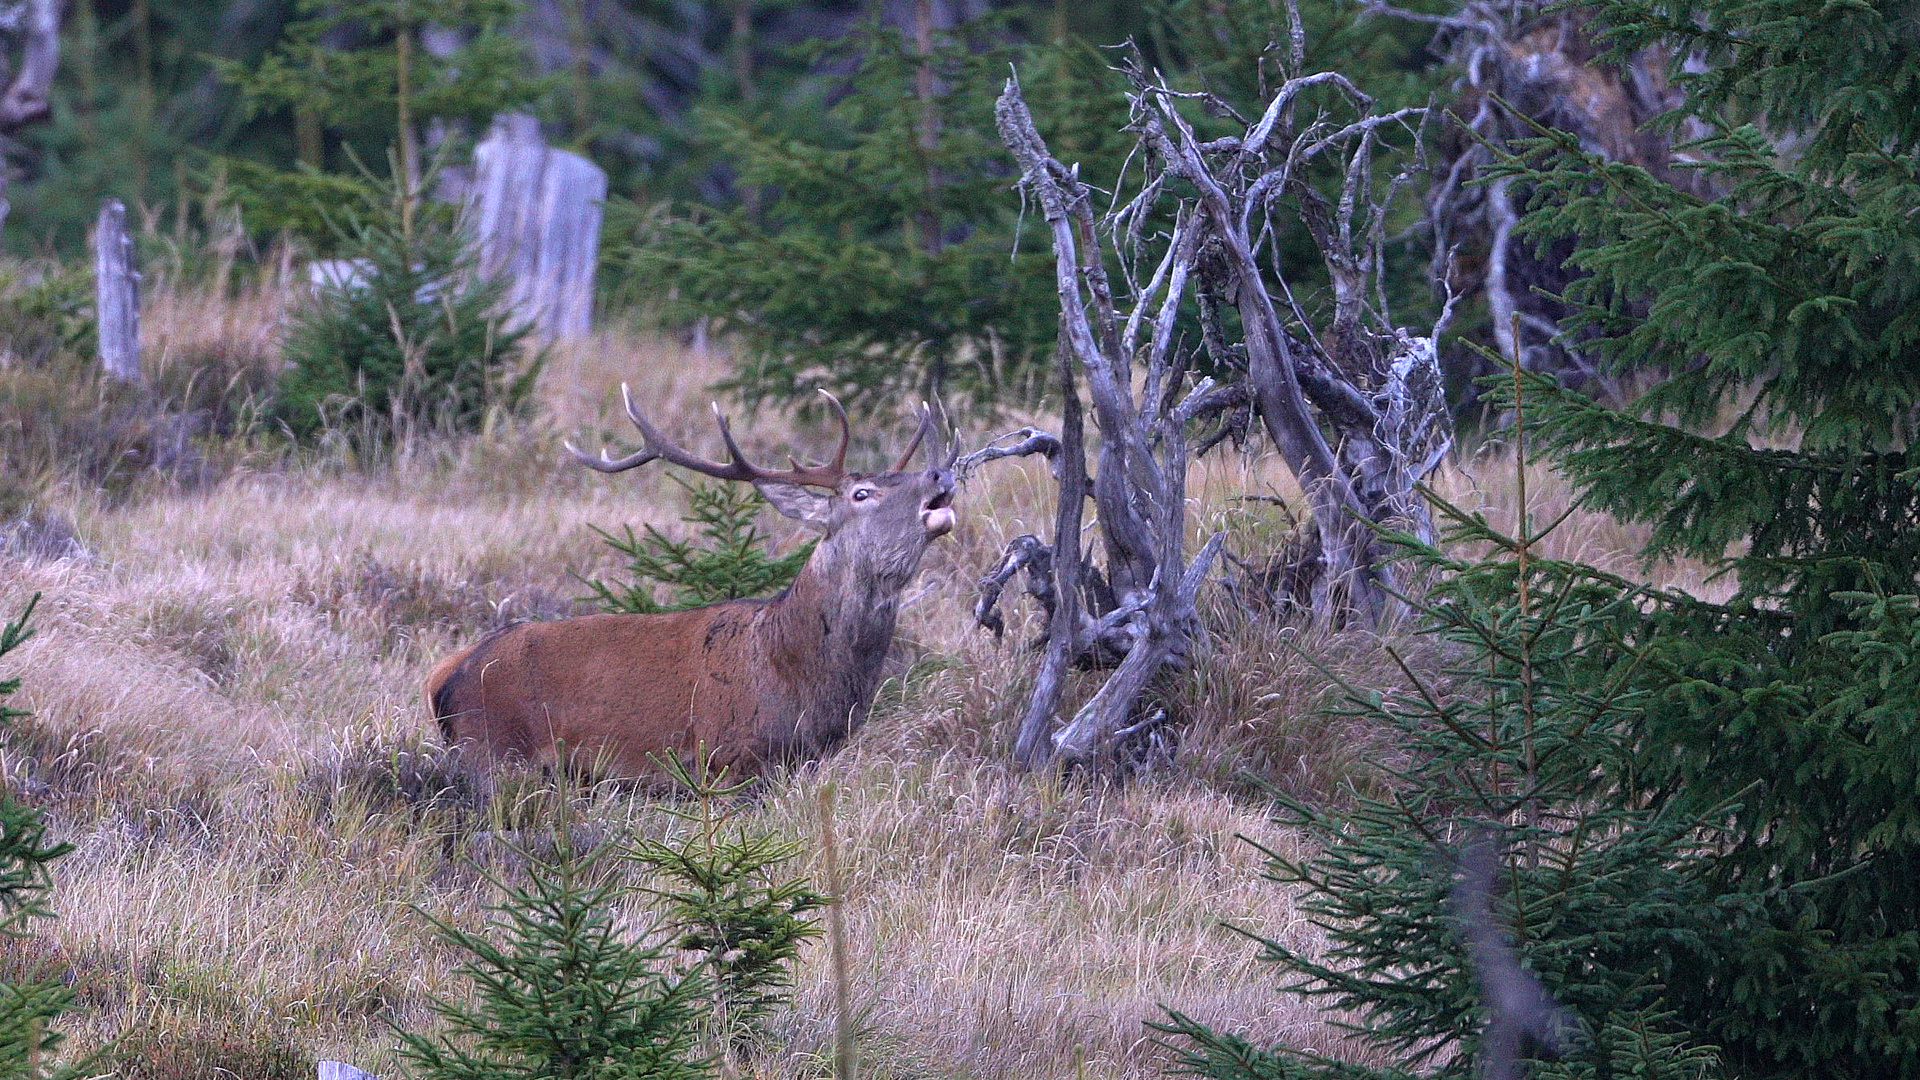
(827, 636)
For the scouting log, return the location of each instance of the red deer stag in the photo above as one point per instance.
(755, 681)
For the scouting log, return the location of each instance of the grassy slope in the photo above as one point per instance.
(228, 722)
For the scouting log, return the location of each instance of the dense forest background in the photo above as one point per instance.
(748, 146)
(1598, 689)
(144, 111)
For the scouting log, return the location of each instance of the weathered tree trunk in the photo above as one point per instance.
(25, 91)
(1144, 616)
(535, 215)
(116, 290)
(1057, 576)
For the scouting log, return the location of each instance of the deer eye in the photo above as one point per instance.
(862, 494)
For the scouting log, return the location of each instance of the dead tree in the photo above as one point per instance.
(1353, 404)
(26, 86)
(116, 290)
(535, 215)
(1521, 65)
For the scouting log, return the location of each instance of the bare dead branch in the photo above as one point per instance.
(1031, 440)
(1351, 401)
(1024, 552)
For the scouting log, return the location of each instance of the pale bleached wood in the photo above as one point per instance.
(1354, 408)
(116, 281)
(534, 212)
(26, 89)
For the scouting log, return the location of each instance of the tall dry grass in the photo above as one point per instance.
(225, 685)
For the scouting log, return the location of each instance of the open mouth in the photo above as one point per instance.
(937, 514)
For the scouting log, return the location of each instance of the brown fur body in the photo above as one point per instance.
(751, 682)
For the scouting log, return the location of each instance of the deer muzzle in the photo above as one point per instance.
(937, 515)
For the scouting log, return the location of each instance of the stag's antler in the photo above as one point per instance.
(655, 445)
(939, 429)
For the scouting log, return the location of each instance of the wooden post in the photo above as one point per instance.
(535, 217)
(116, 285)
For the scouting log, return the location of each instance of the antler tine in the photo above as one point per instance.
(830, 474)
(736, 467)
(737, 457)
(602, 462)
(946, 433)
(840, 412)
(919, 436)
(657, 445)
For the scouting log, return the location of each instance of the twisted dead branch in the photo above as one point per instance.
(1352, 403)
(1522, 64)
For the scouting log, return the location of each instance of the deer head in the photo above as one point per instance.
(874, 526)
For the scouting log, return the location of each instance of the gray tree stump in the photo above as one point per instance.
(116, 284)
(340, 1070)
(535, 216)
(25, 89)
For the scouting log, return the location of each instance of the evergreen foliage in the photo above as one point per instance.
(878, 249)
(727, 903)
(880, 258)
(27, 1043)
(1604, 897)
(358, 73)
(1795, 290)
(727, 561)
(50, 316)
(415, 337)
(12, 636)
(562, 993)
(1741, 771)
(359, 85)
(133, 114)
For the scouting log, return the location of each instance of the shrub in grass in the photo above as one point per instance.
(413, 336)
(560, 993)
(28, 1044)
(728, 560)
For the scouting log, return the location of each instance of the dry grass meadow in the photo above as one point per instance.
(227, 722)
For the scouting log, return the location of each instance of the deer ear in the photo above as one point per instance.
(797, 502)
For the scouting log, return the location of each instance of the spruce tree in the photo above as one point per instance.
(414, 337)
(1746, 757)
(722, 892)
(1525, 732)
(876, 253)
(28, 1044)
(560, 992)
(1775, 327)
(879, 247)
(356, 78)
(729, 559)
